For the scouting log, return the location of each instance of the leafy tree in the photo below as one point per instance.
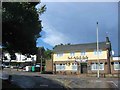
(21, 26)
(48, 54)
(40, 54)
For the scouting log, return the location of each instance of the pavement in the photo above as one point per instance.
(87, 82)
(31, 80)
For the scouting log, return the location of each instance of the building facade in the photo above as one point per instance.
(115, 65)
(82, 58)
(19, 58)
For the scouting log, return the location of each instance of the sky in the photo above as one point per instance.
(75, 23)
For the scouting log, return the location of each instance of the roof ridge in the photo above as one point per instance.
(83, 43)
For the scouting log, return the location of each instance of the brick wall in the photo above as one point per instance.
(49, 65)
(114, 71)
(95, 71)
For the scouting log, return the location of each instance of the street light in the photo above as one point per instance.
(97, 52)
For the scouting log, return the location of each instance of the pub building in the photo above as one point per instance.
(82, 58)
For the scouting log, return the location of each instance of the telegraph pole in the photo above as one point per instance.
(41, 65)
(97, 52)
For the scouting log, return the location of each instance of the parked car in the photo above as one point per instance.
(21, 67)
(37, 65)
(6, 66)
(14, 67)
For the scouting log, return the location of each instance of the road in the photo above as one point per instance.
(31, 80)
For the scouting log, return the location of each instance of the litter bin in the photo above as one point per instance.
(37, 69)
(33, 68)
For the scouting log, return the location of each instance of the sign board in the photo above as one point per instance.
(83, 60)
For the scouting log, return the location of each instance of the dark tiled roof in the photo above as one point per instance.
(80, 47)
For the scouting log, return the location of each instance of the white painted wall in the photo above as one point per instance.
(21, 58)
(116, 58)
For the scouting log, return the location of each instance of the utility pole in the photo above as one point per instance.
(41, 64)
(97, 52)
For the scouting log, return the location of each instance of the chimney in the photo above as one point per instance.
(68, 44)
(107, 39)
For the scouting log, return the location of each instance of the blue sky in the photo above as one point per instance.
(75, 23)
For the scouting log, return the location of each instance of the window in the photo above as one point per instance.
(5, 58)
(100, 52)
(60, 67)
(101, 67)
(13, 57)
(74, 67)
(95, 52)
(59, 54)
(72, 54)
(83, 53)
(116, 66)
(95, 66)
(57, 67)
(32, 58)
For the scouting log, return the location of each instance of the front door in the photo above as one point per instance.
(83, 67)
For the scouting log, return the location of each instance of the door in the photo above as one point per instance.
(83, 67)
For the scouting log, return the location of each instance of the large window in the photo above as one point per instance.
(59, 54)
(57, 67)
(72, 54)
(116, 66)
(83, 52)
(94, 66)
(95, 52)
(74, 67)
(60, 67)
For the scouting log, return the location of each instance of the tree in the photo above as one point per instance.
(40, 54)
(21, 26)
(43, 54)
(48, 54)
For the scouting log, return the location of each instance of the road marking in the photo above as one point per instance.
(44, 85)
(98, 81)
(113, 83)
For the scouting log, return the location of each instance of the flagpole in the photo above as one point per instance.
(97, 52)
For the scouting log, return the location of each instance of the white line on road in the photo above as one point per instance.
(113, 83)
(98, 81)
(44, 85)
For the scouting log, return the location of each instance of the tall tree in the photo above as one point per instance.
(40, 54)
(48, 54)
(21, 26)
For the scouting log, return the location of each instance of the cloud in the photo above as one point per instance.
(76, 23)
(52, 36)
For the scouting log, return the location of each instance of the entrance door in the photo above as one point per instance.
(83, 67)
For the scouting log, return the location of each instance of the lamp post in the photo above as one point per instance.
(97, 52)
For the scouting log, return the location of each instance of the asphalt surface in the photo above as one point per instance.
(32, 81)
(35, 80)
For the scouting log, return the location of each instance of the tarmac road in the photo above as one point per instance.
(31, 80)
